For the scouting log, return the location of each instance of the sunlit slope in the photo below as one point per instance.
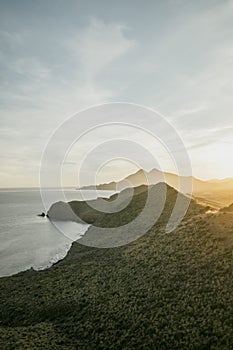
(162, 291)
(125, 206)
(217, 193)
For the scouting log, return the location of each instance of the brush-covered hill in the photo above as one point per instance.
(125, 206)
(216, 193)
(133, 211)
(162, 291)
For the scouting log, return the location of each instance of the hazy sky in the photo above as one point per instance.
(58, 57)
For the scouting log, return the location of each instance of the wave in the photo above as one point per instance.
(72, 232)
(57, 257)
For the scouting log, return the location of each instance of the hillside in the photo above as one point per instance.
(228, 209)
(162, 291)
(125, 205)
(217, 193)
(133, 212)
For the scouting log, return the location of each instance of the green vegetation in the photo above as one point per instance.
(162, 291)
(86, 210)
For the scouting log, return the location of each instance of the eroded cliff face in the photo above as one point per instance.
(63, 212)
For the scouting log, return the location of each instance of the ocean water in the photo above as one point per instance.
(28, 241)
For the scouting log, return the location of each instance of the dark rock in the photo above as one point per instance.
(42, 214)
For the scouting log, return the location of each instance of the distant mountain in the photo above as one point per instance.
(162, 291)
(139, 178)
(217, 193)
(111, 186)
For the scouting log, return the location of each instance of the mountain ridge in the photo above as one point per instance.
(219, 192)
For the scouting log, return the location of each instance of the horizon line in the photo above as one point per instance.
(76, 186)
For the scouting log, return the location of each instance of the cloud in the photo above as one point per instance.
(189, 111)
(11, 38)
(195, 86)
(176, 57)
(210, 137)
(32, 81)
(35, 96)
(99, 44)
(30, 68)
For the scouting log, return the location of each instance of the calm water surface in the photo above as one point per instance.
(28, 241)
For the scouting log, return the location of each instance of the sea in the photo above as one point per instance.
(30, 241)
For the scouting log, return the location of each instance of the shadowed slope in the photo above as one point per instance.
(162, 291)
(216, 193)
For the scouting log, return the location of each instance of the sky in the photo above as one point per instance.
(60, 57)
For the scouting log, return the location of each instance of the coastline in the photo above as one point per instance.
(162, 290)
(96, 297)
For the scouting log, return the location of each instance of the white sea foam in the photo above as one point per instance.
(28, 241)
(75, 231)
